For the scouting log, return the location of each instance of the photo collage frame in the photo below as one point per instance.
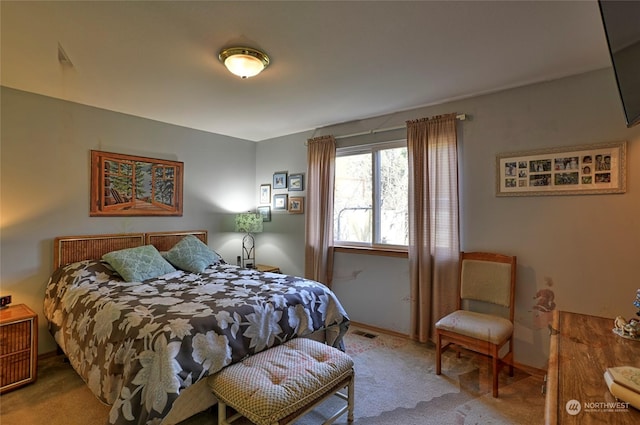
(588, 169)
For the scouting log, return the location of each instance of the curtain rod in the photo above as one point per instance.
(460, 117)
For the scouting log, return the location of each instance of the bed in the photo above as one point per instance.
(146, 346)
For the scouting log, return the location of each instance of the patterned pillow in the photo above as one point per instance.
(138, 264)
(192, 255)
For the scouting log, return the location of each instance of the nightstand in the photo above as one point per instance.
(18, 347)
(267, 268)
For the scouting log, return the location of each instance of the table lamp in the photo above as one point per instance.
(248, 223)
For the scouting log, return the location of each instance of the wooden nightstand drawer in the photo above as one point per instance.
(18, 347)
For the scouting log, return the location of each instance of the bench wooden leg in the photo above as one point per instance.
(222, 413)
(351, 398)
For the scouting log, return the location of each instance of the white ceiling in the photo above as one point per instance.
(332, 61)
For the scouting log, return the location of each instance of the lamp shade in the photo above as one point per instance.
(249, 223)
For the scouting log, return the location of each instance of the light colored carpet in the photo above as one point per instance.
(395, 385)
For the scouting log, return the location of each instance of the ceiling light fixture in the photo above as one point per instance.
(244, 62)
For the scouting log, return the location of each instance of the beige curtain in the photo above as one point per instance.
(433, 221)
(321, 157)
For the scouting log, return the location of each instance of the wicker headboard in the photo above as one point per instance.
(69, 249)
(163, 241)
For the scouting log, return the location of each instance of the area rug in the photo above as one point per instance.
(395, 385)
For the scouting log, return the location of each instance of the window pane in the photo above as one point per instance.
(352, 201)
(394, 211)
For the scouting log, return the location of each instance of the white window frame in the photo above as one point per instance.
(375, 192)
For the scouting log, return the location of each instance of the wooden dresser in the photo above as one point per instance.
(18, 346)
(582, 348)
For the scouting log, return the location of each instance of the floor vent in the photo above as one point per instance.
(365, 334)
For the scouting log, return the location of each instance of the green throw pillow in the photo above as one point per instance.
(192, 255)
(138, 264)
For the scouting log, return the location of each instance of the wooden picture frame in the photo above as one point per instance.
(280, 202)
(265, 212)
(578, 170)
(280, 180)
(296, 182)
(127, 185)
(265, 194)
(296, 204)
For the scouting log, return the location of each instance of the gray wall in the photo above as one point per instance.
(586, 249)
(282, 242)
(45, 184)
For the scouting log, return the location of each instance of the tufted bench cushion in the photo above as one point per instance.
(283, 382)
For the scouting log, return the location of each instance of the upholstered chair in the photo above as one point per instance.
(483, 321)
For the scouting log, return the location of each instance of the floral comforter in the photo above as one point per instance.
(137, 345)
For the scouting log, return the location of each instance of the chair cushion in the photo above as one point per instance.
(481, 326)
(275, 383)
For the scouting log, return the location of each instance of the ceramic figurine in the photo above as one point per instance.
(630, 329)
(619, 323)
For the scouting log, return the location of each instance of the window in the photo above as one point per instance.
(371, 195)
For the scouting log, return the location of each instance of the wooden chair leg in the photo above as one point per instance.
(438, 353)
(510, 357)
(495, 375)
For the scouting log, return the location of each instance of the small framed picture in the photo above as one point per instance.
(265, 212)
(265, 193)
(296, 205)
(280, 180)
(296, 182)
(280, 202)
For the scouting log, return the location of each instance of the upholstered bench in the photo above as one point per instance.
(283, 383)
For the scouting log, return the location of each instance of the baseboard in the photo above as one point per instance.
(533, 371)
(530, 370)
(47, 355)
(371, 328)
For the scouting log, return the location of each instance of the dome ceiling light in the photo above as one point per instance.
(244, 62)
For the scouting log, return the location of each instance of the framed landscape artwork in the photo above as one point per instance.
(588, 169)
(126, 185)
